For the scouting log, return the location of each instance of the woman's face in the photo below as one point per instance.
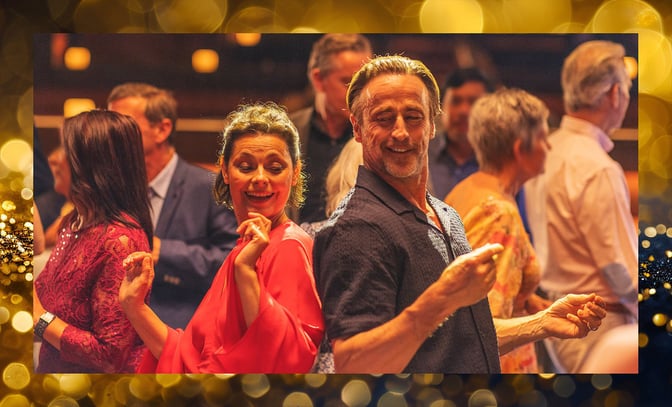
(534, 160)
(61, 171)
(260, 175)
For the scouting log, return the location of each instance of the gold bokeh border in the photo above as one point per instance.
(21, 21)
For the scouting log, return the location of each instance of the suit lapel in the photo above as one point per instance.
(173, 197)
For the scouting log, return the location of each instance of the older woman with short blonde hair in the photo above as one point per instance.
(508, 132)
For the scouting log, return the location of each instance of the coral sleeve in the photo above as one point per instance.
(288, 329)
(283, 338)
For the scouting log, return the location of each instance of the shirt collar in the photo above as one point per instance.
(588, 129)
(161, 182)
(394, 200)
(389, 196)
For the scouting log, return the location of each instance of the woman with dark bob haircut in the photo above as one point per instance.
(77, 314)
(262, 313)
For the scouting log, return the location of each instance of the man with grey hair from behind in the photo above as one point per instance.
(579, 209)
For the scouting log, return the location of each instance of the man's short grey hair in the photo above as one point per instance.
(334, 43)
(590, 71)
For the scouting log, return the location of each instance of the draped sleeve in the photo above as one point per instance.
(283, 338)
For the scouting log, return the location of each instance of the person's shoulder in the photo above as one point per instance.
(193, 169)
(580, 155)
(193, 176)
(292, 231)
(119, 236)
(361, 219)
(301, 115)
(287, 236)
(130, 225)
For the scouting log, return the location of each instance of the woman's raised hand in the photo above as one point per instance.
(134, 287)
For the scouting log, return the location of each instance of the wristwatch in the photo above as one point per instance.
(43, 323)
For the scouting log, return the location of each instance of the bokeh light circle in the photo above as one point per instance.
(255, 19)
(482, 398)
(22, 322)
(564, 386)
(255, 385)
(183, 16)
(659, 156)
(535, 16)
(297, 399)
(356, 393)
(16, 154)
(655, 64)
(16, 376)
(75, 385)
(457, 16)
(15, 400)
(623, 15)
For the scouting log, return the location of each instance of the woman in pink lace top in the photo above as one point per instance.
(76, 308)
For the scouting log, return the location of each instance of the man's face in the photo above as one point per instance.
(135, 108)
(623, 102)
(334, 83)
(396, 126)
(457, 104)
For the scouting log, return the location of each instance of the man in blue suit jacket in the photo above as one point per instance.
(192, 234)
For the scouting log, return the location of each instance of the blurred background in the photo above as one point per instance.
(211, 74)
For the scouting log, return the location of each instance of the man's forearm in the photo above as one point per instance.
(515, 332)
(389, 347)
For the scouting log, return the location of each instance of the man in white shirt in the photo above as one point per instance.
(579, 209)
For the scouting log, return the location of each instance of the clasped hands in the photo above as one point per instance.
(574, 315)
(470, 277)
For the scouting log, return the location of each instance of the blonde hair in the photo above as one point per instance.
(498, 119)
(342, 174)
(259, 118)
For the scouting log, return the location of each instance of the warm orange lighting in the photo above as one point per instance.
(247, 39)
(205, 61)
(74, 106)
(631, 67)
(77, 58)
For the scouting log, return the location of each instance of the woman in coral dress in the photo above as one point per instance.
(262, 313)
